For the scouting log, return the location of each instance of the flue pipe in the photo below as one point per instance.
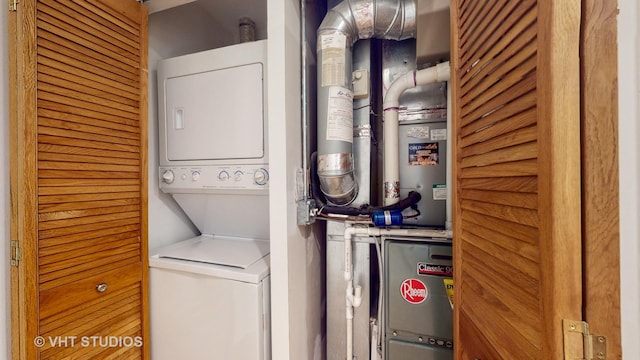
(346, 23)
(391, 104)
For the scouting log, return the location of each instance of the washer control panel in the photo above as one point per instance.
(238, 177)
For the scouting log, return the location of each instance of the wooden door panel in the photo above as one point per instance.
(82, 175)
(516, 198)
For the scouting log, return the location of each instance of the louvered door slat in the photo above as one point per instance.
(63, 244)
(66, 51)
(97, 124)
(88, 101)
(498, 27)
(497, 70)
(85, 261)
(527, 265)
(92, 38)
(524, 200)
(95, 242)
(512, 196)
(93, 74)
(477, 225)
(44, 182)
(75, 132)
(516, 129)
(497, 62)
(94, 247)
(516, 184)
(82, 139)
(121, 18)
(513, 93)
(78, 229)
(501, 328)
(72, 150)
(487, 95)
(88, 219)
(49, 156)
(72, 82)
(79, 142)
(509, 213)
(80, 17)
(511, 154)
(516, 168)
(474, 16)
(90, 114)
(472, 32)
(495, 286)
(48, 111)
(67, 190)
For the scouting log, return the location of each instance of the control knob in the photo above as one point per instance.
(168, 177)
(223, 175)
(261, 176)
(195, 175)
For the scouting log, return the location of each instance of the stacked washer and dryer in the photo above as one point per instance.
(209, 295)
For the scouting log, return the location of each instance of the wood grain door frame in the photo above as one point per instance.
(24, 169)
(600, 173)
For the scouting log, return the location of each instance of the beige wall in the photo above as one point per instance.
(629, 129)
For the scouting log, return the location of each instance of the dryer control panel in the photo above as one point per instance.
(228, 177)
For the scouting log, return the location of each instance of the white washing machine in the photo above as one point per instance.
(209, 295)
(209, 299)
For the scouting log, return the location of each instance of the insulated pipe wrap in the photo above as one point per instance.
(343, 25)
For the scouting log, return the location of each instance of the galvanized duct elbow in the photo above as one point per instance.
(346, 23)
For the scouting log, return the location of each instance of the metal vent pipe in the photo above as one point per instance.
(346, 23)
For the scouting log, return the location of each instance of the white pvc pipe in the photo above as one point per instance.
(438, 73)
(449, 170)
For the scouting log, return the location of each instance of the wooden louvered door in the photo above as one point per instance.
(517, 241)
(79, 179)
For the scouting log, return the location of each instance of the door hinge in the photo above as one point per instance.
(594, 346)
(15, 253)
(13, 5)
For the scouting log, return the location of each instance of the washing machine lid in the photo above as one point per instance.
(218, 250)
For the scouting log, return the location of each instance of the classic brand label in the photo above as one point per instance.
(414, 291)
(430, 269)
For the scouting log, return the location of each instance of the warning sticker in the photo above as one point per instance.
(423, 154)
(414, 291)
(438, 134)
(433, 269)
(439, 192)
(333, 59)
(421, 132)
(340, 114)
(448, 287)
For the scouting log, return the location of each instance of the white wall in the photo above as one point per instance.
(5, 303)
(173, 32)
(629, 142)
(296, 263)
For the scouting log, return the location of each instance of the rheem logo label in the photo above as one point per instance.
(414, 291)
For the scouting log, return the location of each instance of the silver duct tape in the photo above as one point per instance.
(335, 164)
(363, 131)
(392, 190)
(363, 13)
